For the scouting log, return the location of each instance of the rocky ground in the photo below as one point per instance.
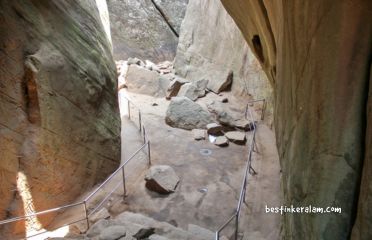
(198, 159)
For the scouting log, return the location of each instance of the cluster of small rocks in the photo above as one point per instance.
(217, 134)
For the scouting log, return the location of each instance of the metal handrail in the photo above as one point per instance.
(248, 169)
(146, 142)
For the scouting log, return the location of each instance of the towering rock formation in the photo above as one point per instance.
(211, 46)
(59, 119)
(147, 29)
(317, 55)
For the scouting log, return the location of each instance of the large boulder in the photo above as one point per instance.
(174, 87)
(322, 123)
(186, 114)
(161, 179)
(144, 81)
(59, 117)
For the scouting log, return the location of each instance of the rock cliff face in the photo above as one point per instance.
(147, 29)
(211, 45)
(59, 119)
(317, 55)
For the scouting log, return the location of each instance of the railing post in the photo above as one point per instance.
(236, 225)
(149, 152)
(86, 214)
(217, 236)
(128, 109)
(140, 121)
(144, 134)
(263, 109)
(124, 185)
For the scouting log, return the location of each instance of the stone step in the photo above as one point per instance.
(133, 226)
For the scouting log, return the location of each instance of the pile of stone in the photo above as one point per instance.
(218, 135)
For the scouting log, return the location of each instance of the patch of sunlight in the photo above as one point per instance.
(105, 18)
(32, 224)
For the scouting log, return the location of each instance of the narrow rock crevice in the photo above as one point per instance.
(164, 16)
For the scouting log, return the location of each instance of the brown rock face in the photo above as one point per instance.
(317, 55)
(59, 120)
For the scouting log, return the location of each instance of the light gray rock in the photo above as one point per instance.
(223, 114)
(188, 90)
(200, 232)
(135, 61)
(151, 66)
(101, 214)
(144, 81)
(98, 227)
(221, 141)
(174, 87)
(221, 83)
(186, 114)
(161, 179)
(201, 86)
(214, 129)
(194, 90)
(211, 45)
(112, 233)
(245, 124)
(199, 134)
(236, 137)
(157, 237)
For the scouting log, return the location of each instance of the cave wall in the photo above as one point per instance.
(147, 29)
(211, 45)
(317, 54)
(59, 118)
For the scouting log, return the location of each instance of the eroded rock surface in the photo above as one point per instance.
(59, 118)
(321, 78)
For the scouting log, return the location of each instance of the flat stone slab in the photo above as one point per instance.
(221, 141)
(236, 137)
(244, 124)
(112, 233)
(161, 179)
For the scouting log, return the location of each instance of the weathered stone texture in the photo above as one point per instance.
(317, 55)
(59, 119)
(139, 30)
(211, 46)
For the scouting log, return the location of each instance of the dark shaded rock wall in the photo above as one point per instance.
(147, 29)
(59, 119)
(317, 55)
